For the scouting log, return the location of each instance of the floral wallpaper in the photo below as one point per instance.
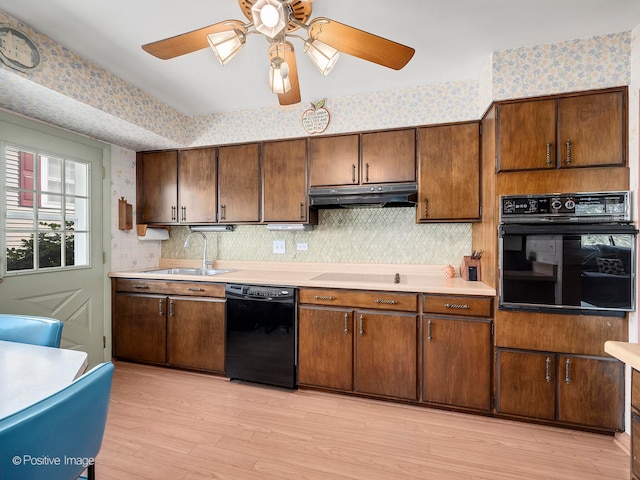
(75, 94)
(127, 252)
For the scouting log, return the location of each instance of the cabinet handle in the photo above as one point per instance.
(346, 324)
(429, 331)
(171, 308)
(426, 208)
(184, 213)
(457, 306)
(567, 371)
(547, 375)
(223, 212)
(301, 210)
(173, 213)
(194, 289)
(366, 172)
(353, 173)
(361, 325)
(160, 309)
(324, 297)
(386, 302)
(568, 161)
(141, 287)
(549, 154)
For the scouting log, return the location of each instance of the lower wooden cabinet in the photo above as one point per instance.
(457, 362)
(635, 424)
(457, 338)
(570, 389)
(140, 331)
(347, 348)
(177, 330)
(325, 347)
(386, 353)
(196, 333)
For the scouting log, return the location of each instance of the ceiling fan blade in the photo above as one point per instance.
(361, 44)
(293, 95)
(187, 42)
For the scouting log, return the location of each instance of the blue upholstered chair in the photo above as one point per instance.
(30, 329)
(58, 437)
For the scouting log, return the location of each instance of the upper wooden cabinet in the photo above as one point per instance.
(239, 183)
(177, 187)
(197, 185)
(361, 159)
(285, 182)
(157, 187)
(583, 130)
(449, 173)
(388, 157)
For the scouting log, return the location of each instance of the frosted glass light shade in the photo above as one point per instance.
(323, 56)
(226, 44)
(279, 81)
(269, 17)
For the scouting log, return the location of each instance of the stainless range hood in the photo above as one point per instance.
(393, 195)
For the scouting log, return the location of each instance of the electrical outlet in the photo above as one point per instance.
(302, 246)
(279, 246)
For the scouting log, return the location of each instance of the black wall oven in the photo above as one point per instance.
(571, 253)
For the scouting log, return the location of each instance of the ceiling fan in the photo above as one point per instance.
(277, 20)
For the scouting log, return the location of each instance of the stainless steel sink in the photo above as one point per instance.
(190, 271)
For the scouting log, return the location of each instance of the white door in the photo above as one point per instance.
(51, 241)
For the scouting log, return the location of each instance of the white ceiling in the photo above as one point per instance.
(452, 38)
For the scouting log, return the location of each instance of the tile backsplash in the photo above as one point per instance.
(362, 235)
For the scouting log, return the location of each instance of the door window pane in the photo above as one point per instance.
(47, 211)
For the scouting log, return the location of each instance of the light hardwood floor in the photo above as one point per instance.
(174, 425)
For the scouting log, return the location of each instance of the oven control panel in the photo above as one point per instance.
(595, 207)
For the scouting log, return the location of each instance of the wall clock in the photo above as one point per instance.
(17, 50)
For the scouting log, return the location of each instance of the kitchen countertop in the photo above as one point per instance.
(413, 278)
(626, 352)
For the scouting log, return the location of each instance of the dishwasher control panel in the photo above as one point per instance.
(258, 291)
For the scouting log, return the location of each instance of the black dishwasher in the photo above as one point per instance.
(261, 334)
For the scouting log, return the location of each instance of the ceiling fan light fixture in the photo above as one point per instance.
(323, 56)
(279, 81)
(226, 44)
(269, 17)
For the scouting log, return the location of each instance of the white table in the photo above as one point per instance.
(30, 373)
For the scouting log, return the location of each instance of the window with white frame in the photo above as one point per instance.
(47, 211)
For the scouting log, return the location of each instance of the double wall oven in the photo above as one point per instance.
(571, 253)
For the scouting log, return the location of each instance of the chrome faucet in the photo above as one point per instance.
(204, 247)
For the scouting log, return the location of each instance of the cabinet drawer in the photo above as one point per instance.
(360, 299)
(201, 289)
(458, 305)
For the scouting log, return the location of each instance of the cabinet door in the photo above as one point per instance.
(591, 391)
(526, 384)
(591, 130)
(389, 157)
(158, 187)
(197, 186)
(386, 354)
(285, 181)
(140, 330)
(239, 183)
(325, 351)
(635, 444)
(196, 333)
(457, 362)
(449, 186)
(334, 161)
(527, 135)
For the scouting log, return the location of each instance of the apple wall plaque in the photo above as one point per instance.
(316, 118)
